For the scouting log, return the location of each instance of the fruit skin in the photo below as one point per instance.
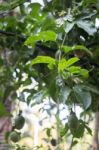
(19, 122)
(73, 122)
(14, 136)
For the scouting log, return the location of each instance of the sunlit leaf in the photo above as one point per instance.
(71, 61)
(41, 36)
(78, 71)
(63, 63)
(66, 49)
(44, 60)
(84, 73)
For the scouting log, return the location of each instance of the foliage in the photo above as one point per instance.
(57, 46)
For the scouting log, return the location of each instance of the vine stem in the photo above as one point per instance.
(71, 144)
(58, 128)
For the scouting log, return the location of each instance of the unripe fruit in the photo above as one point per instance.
(19, 122)
(14, 136)
(73, 122)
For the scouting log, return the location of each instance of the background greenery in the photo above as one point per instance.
(56, 45)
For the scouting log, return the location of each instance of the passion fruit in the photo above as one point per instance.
(14, 136)
(53, 142)
(73, 122)
(19, 122)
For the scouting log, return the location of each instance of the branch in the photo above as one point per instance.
(6, 33)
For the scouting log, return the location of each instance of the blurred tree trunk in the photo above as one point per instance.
(96, 138)
(5, 126)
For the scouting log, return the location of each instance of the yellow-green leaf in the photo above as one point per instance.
(43, 59)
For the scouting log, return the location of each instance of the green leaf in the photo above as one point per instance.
(66, 49)
(64, 93)
(41, 36)
(38, 97)
(52, 89)
(74, 143)
(78, 70)
(74, 69)
(89, 2)
(82, 96)
(64, 130)
(88, 129)
(47, 25)
(63, 63)
(35, 9)
(7, 92)
(72, 61)
(91, 88)
(1, 62)
(48, 132)
(83, 48)
(68, 26)
(66, 127)
(84, 73)
(21, 97)
(8, 6)
(44, 60)
(87, 26)
(80, 131)
(3, 111)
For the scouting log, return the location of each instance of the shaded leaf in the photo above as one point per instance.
(74, 143)
(83, 96)
(87, 26)
(64, 93)
(88, 129)
(22, 97)
(38, 97)
(83, 48)
(64, 130)
(48, 132)
(7, 92)
(91, 88)
(68, 26)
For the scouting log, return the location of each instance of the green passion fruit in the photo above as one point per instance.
(53, 142)
(19, 122)
(14, 136)
(73, 122)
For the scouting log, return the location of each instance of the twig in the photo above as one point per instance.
(71, 145)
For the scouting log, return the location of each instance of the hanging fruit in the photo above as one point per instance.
(73, 122)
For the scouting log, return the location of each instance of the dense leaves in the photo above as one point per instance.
(52, 48)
